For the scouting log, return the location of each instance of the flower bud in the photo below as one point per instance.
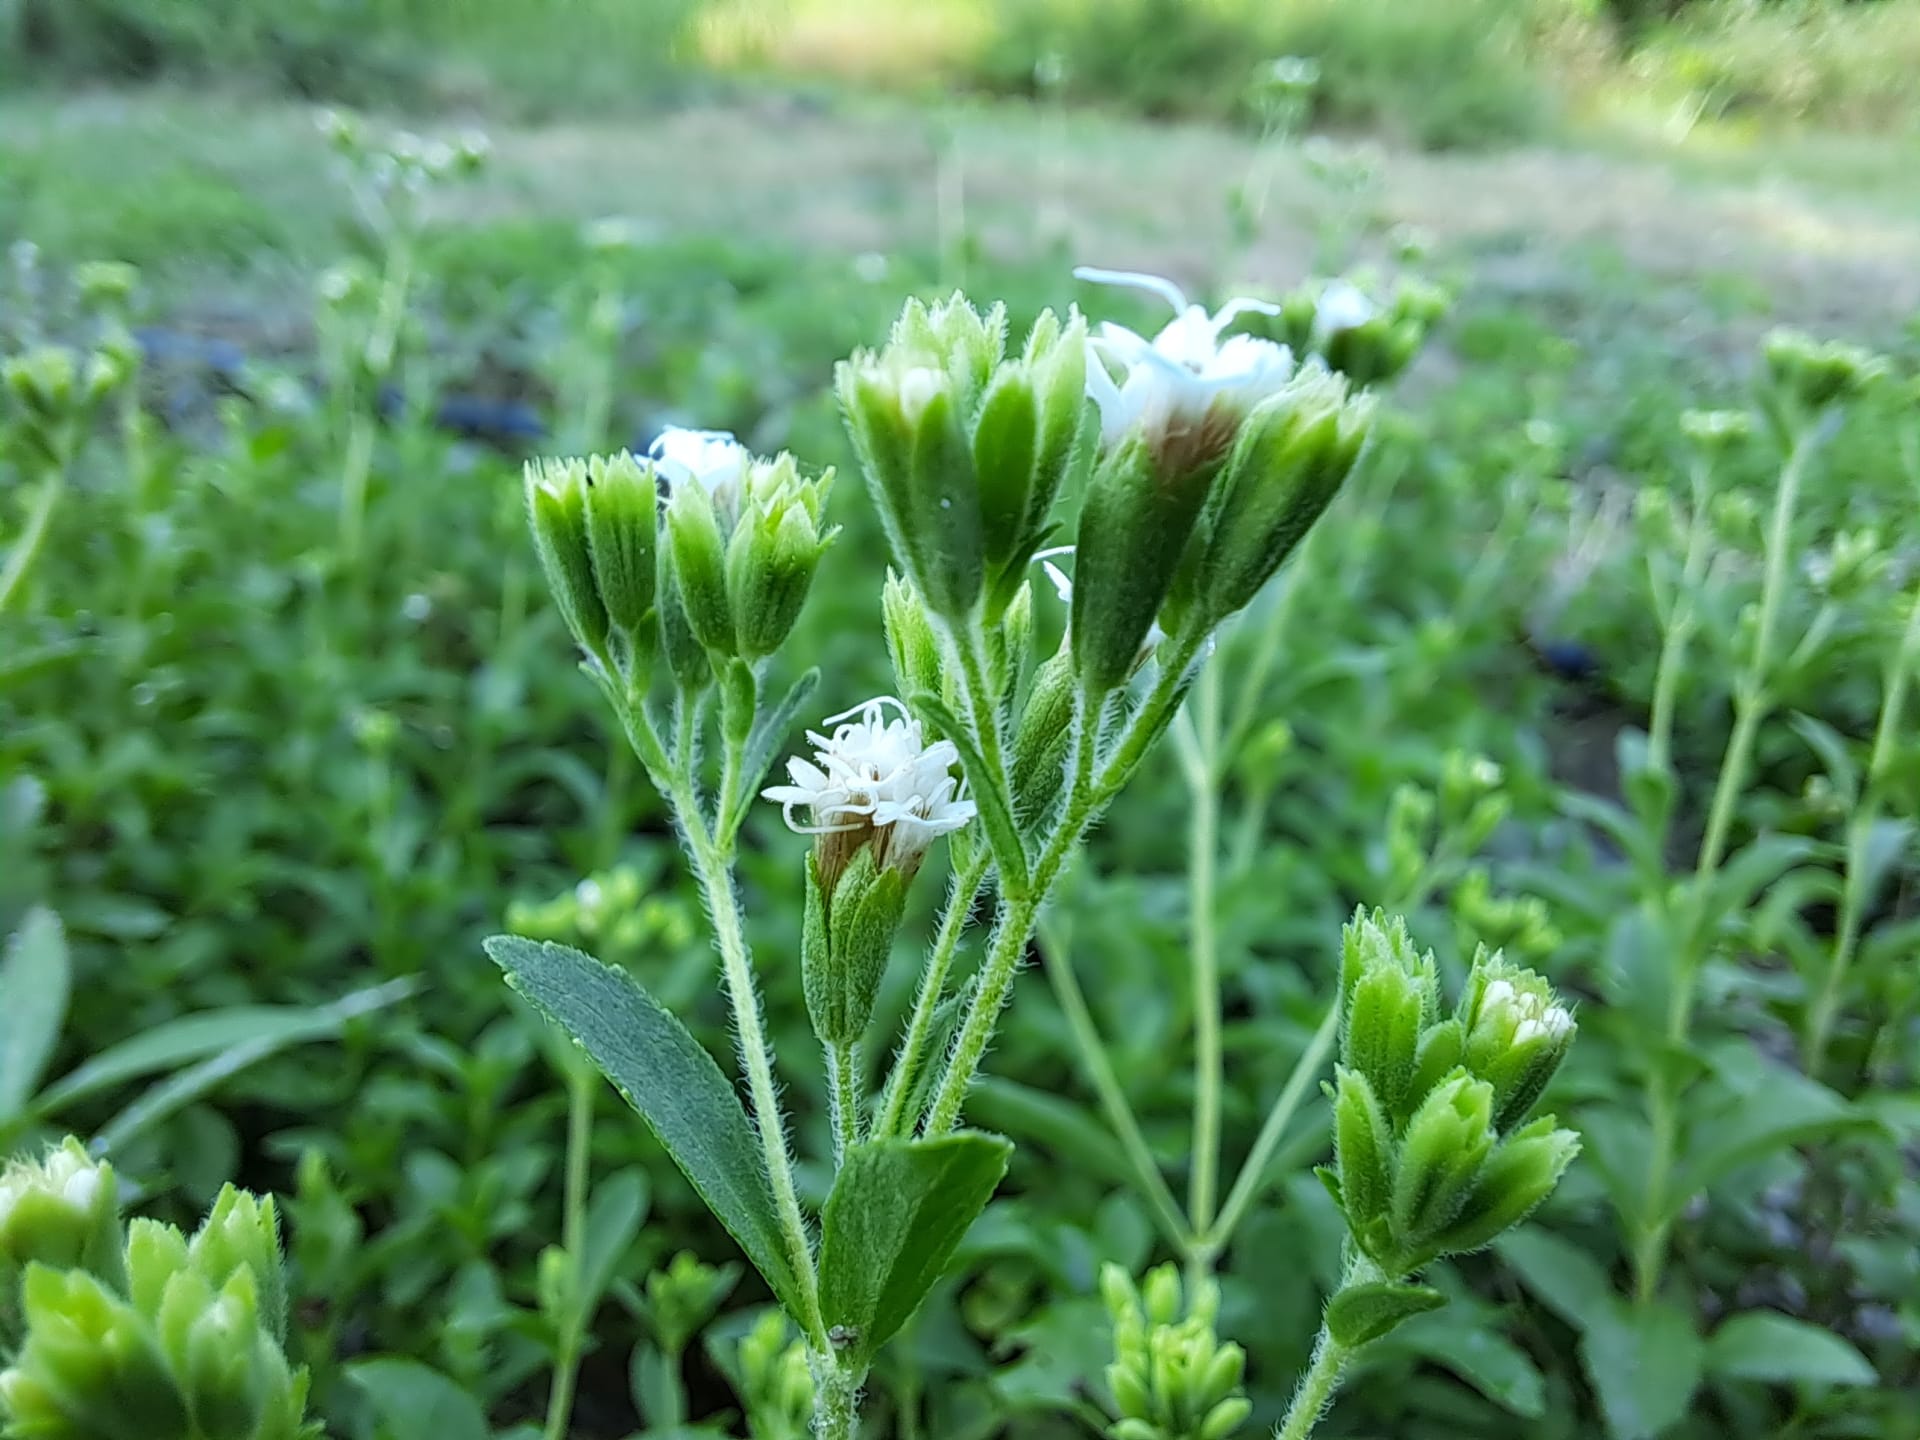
(908, 409)
(687, 660)
(1446, 1141)
(774, 550)
(1134, 527)
(846, 939)
(242, 1233)
(90, 1366)
(1390, 993)
(1714, 432)
(623, 516)
(911, 642)
(1294, 453)
(1511, 1186)
(557, 509)
(1363, 1156)
(1043, 737)
(1516, 1035)
(156, 1252)
(106, 284)
(699, 566)
(213, 1340)
(62, 1211)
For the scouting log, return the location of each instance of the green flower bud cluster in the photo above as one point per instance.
(1512, 924)
(718, 573)
(179, 1339)
(1852, 564)
(1172, 1378)
(1433, 1152)
(1809, 374)
(774, 1381)
(682, 1298)
(1714, 432)
(612, 913)
(966, 447)
(56, 398)
(1369, 341)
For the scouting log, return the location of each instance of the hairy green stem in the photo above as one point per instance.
(714, 870)
(933, 985)
(843, 1092)
(1316, 1389)
(836, 1398)
(1093, 785)
(1113, 1098)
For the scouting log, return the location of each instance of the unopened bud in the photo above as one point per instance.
(242, 1233)
(557, 510)
(1446, 1141)
(699, 566)
(1517, 1034)
(847, 938)
(62, 1211)
(623, 519)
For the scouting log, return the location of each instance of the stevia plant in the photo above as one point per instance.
(1201, 462)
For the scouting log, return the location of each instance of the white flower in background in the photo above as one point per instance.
(1186, 383)
(877, 778)
(712, 457)
(1342, 306)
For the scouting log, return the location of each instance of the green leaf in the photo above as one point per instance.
(1763, 1345)
(765, 742)
(34, 981)
(1361, 1313)
(1070, 1130)
(1752, 1115)
(164, 1098)
(1482, 1357)
(1645, 1362)
(1828, 744)
(409, 1400)
(665, 1075)
(614, 1213)
(898, 1210)
(1561, 1275)
(987, 790)
(191, 1037)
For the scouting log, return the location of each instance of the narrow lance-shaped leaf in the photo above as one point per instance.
(667, 1076)
(34, 981)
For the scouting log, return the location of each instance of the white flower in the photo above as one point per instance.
(1342, 306)
(1185, 381)
(878, 776)
(712, 457)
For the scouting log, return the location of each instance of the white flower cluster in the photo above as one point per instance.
(1532, 1016)
(878, 774)
(1176, 382)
